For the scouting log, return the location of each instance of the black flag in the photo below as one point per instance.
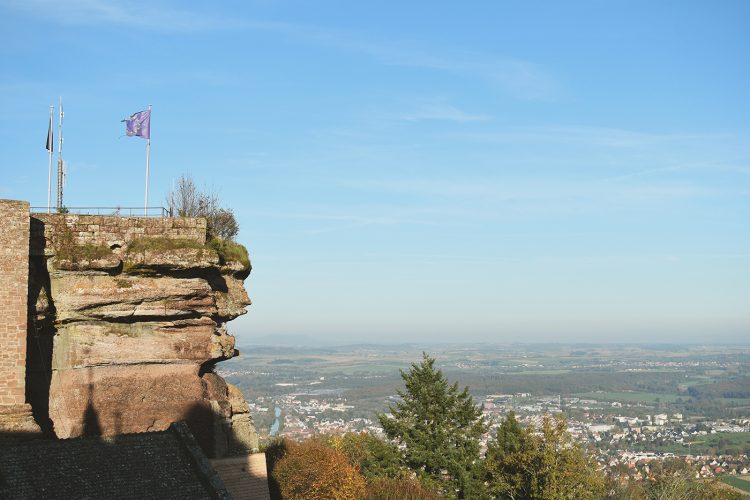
(50, 142)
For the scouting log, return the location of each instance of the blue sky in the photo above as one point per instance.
(500, 170)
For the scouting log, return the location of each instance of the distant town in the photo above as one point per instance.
(629, 405)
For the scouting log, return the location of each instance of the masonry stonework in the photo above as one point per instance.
(15, 415)
(111, 230)
(14, 269)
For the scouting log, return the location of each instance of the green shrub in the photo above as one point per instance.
(229, 251)
(222, 224)
(67, 249)
(387, 488)
(375, 457)
(87, 251)
(141, 245)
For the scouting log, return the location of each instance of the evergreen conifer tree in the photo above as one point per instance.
(440, 428)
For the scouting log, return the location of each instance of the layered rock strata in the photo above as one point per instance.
(128, 317)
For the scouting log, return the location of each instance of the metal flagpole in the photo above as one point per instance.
(148, 155)
(60, 162)
(49, 166)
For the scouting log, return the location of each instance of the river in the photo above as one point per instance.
(276, 423)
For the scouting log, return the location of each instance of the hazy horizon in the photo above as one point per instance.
(307, 341)
(569, 172)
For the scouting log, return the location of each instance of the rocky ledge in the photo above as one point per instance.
(124, 335)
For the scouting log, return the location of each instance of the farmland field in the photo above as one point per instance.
(740, 483)
(630, 397)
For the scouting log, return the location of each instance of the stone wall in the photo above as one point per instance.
(15, 415)
(111, 230)
(14, 270)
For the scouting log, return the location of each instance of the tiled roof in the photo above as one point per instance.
(163, 465)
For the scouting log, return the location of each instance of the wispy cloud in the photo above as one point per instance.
(710, 167)
(443, 112)
(329, 223)
(520, 78)
(158, 16)
(523, 79)
(601, 136)
(159, 78)
(537, 193)
(591, 258)
(362, 222)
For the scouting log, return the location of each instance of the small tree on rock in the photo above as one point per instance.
(186, 200)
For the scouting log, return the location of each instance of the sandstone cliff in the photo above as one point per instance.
(127, 319)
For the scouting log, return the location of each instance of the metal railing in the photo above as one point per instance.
(110, 211)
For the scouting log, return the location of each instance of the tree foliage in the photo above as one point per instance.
(275, 450)
(509, 462)
(673, 480)
(186, 200)
(439, 428)
(387, 488)
(314, 471)
(521, 464)
(376, 464)
(374, 457)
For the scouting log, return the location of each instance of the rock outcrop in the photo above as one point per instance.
(127, 319)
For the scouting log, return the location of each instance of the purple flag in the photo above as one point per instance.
(139, 124)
